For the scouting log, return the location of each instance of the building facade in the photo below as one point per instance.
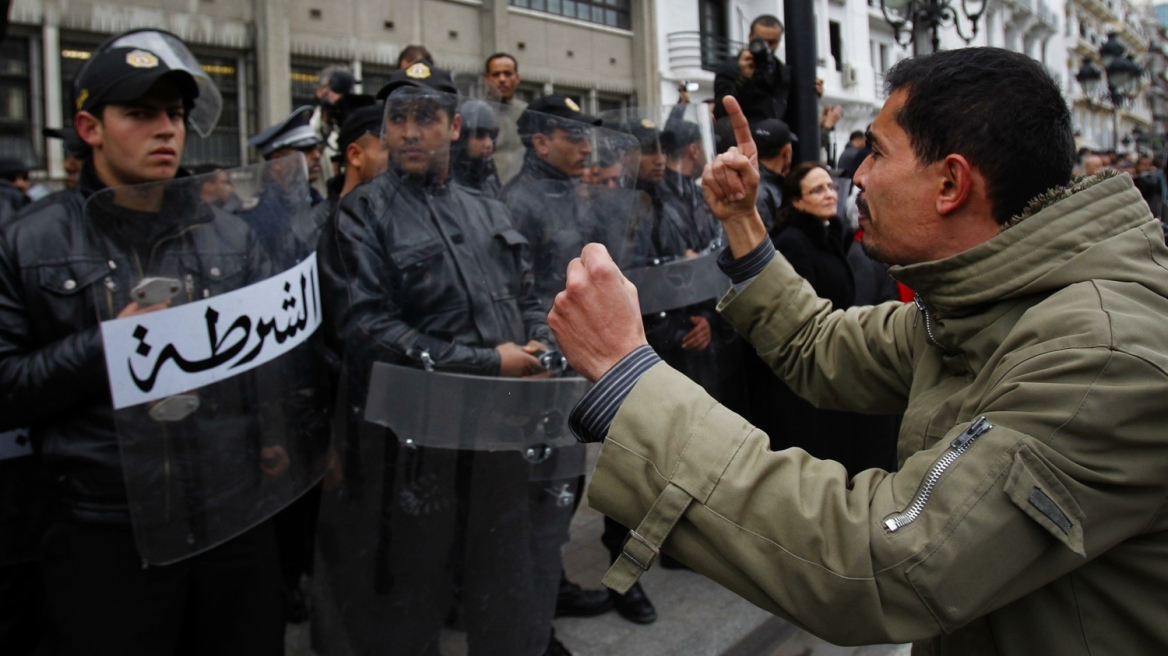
(857, 45)
(266, 55)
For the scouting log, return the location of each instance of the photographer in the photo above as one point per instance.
(757, 78)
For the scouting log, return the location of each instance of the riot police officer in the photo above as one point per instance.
(428, 274)
(471, 158)
(544, 196)
(68, 260)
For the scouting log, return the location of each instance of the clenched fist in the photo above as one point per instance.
(597, 318)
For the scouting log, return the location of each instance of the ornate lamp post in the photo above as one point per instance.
(909, 16)
(1122, 74)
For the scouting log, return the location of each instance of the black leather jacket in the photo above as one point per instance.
(558, 217)
(757, 99)
(408, 267)
(62, 271)
(770, 196)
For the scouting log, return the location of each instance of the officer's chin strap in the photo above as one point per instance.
(644, 544)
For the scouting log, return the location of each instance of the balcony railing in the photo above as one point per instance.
(700, 50)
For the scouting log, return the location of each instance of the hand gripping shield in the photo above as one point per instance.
(220, 393)
(451, 492)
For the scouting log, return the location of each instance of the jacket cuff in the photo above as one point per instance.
(744, 270)
(593, 414)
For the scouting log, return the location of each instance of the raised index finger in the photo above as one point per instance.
(741, 127)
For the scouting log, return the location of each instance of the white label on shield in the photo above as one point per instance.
(156, 355)
(15, 444)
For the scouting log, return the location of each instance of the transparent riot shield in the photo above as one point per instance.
(673, 248)
(209, 314)
(449, 497)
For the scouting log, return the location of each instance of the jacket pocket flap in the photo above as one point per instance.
(69, 278)
(512, 237)
(414, 254)
(1038, 493)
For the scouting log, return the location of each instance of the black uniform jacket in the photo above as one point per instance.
(558, 217)
(63, 269)
(770, 196)
(411, 268)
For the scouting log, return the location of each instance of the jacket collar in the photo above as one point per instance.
(541, 169)
(1097, 228)
(1032, 253)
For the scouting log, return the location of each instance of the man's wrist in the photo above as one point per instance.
(593, 415)
(744, 232)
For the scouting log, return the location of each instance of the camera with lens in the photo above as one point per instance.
(765, 65)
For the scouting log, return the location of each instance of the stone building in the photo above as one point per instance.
(265, 55)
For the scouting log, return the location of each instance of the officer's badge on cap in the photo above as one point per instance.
(81, 98)
(141, 59)
(648, 125)
(571, 104)
(418, 71)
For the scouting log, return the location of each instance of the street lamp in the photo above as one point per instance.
(1123, 79)
(905, 16)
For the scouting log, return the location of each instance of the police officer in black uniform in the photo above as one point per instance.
(471, 158)
(64, 263)
(774, 140)
(425, 273)
(288, 137)
(544, 197)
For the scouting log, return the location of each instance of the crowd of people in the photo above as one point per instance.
(436, 230)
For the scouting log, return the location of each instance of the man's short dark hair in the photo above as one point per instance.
(499, 55)
(999, 109)
(766, 20)
(413, 54)
(856, 134)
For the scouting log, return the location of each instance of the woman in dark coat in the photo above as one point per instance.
(812, 238)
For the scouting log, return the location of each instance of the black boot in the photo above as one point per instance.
(634, 605)
(575, 601)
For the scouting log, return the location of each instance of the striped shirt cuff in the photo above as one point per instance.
(744, 270)
(593, 414)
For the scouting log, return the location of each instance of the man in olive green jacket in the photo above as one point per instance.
(1028, 513)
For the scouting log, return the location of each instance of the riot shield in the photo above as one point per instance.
(575, 187)
(220, 394)
(449, 497)
(673, 250)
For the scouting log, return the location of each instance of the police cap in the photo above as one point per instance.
(293, 132)
(74, 146)
(420, 75)
(550, 112)
(366, 120)
(122, 75)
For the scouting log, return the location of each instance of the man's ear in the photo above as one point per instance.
(694, 150)
(956, 182)
(89, 128)
(455, 128)
(354, 155)
(541, 143)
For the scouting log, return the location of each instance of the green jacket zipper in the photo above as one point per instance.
(958, 446)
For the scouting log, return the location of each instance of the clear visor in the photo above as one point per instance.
(174, 52)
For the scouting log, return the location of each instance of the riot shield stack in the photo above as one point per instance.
(454, 477)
